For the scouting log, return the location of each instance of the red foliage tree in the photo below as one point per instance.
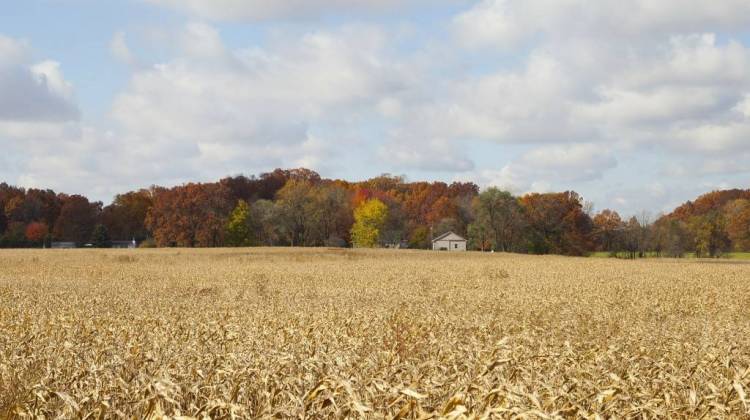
(557, 223)
(36, 232)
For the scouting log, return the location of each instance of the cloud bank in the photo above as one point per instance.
(581, 92)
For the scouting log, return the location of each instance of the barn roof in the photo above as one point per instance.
(455, 237)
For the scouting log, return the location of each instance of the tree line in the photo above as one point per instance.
(297, 207)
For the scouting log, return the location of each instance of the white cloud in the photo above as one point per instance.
(121, 51)
(32, 92)
(490, 22)
(506, 23)
(48, 74)
(43, 142)
(202, 41)
(583, 86)
(681, 93)
(229, 110)
(715, 138)
(544, 168)
(530, 105)
(65, 156)
(435, 154)
(12, 51)
(255, 10)
(743, 107)
(260, 104)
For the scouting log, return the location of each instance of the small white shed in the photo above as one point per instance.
(449, 241)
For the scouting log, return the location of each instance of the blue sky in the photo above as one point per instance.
(634, 104)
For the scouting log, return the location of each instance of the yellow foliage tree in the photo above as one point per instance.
(369, 218)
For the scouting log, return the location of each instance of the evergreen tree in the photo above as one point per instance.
(100, 237)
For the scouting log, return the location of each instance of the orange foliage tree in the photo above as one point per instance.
(36, 232)
(189, 215)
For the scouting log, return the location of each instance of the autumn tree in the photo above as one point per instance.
(33, 205)
(125, 218)
(420, 238)
(709, 234)
(239, 230)
(8, 194)
(14, 209)
(670, 237)
(36, 232)
(14, 236)
(465, 211)
(293, 204)
(632, 237)
(396, 226)
(557, 223)
(191, 215)
(314, 214)
(331, 215)
(369, 218)
(297, 206)
(242, 187)
(737, 216)
(434, 207)
(3, 222)
(77, 219)
(608, 231)
(19, 208)
(710, 202)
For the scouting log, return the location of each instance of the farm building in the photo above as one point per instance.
(398, 245)
(63, 245)
(124, 244)
(449, 241)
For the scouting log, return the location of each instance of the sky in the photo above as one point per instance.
(635, 104)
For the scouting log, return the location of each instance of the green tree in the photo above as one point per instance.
(420, 238)
(264, 215)
(330, 211)
(238, 230)
(100, 237)
(295, 216)
(479, 235)
(369, 218)
(499, 215)
(677, 239)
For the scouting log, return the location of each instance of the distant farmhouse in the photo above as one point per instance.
(124, 244)
(63, 245)
(112, 244)
(449, 241)
(398, 245)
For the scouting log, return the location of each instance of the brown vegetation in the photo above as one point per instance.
(317, 333)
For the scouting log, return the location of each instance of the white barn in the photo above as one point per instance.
(449, 241)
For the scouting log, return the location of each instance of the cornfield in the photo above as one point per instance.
(318, 333)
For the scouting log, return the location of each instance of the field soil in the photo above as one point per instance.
(315, 333)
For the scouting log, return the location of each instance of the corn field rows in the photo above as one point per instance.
(369, 334)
